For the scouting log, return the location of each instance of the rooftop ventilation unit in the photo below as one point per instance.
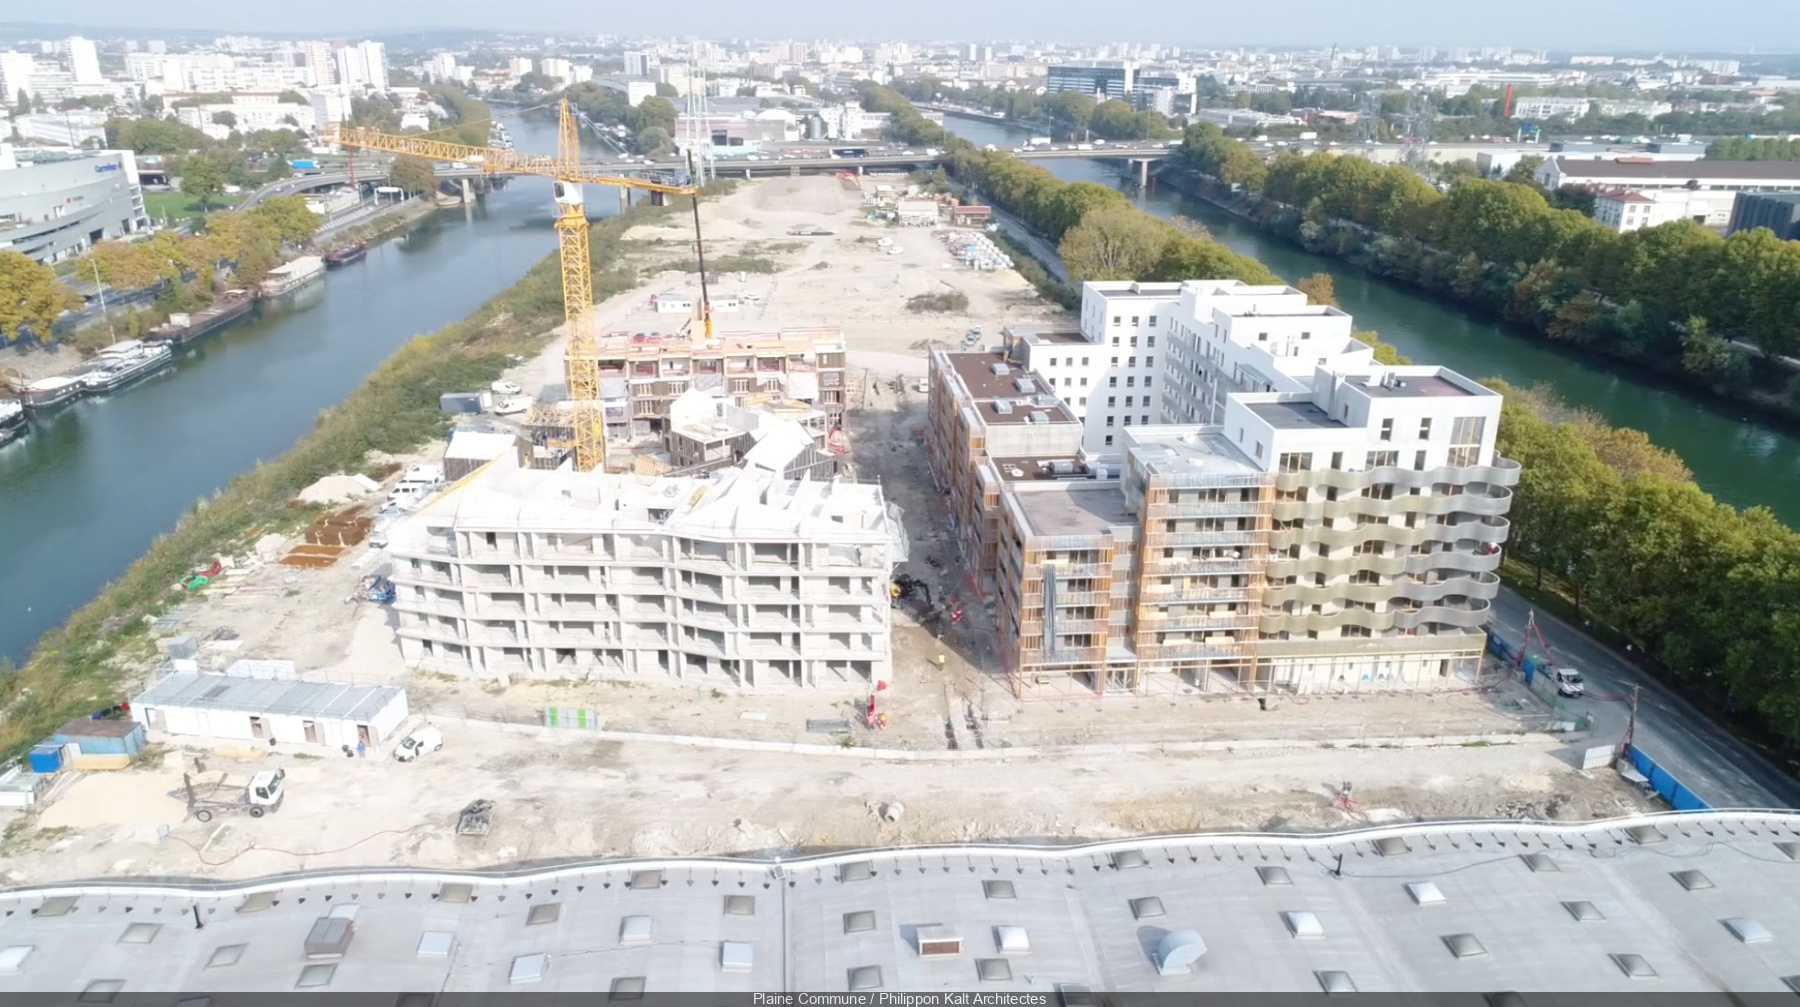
(1391, 846)
(1693, 881)
(740, 905)
(859, 922)
(1003, 407)
(1584, 912)
(1026, 386)
(1464, 945)
(1012, 941)
(1644, 835)
(1000, 370)
(1125, 860)
(938, 942)
(1425, 893)
(1747, 930)
(1540, 863)
(1303, 925)
(1634, 966)
(1147, 908)
(1274, 875)
(998, 890)
(637, 930)
(1038, 418)
(993, 970)
(856, 870)
(1177, 952)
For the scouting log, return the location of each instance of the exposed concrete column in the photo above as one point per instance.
(859, 169)
(467, 194)
(624, 199)
(1144, 173)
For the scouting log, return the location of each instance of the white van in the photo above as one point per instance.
(1569, 683)
(421, 741)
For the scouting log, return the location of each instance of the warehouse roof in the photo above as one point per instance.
(1707, 901)
(324, 700)
(1760, 170)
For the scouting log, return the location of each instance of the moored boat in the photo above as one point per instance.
(293, 275)
(13, 424)
(123, 362)
(346, 255)
(48, 393)
(185, 327)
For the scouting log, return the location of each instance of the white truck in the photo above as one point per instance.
(262, 795)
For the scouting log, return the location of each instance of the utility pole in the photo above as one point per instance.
(100, 289)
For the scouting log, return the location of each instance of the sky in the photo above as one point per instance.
(1601, 25)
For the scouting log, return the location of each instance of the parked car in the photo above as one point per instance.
(420, 742)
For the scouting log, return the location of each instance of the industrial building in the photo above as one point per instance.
(1633, 209)
(1636, 174)
(270, 710)
(746, 579)
(1779, 212)
(1315, 521)
(1653, 906)
(55, 205)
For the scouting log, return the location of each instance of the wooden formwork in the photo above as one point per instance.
(328, 538)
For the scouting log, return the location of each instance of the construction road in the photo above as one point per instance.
(1723, 771)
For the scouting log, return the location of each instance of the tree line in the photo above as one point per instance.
(1709, 592)
(1760, 148)
(248, 243)
(1677, 297)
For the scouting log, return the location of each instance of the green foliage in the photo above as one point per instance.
(952, 300)
(652, 140)
(412, 174)
(1708, 591)
(1117, 120)
(467, 119)
(202, 178)
(1764, 148)
(31, 298)
(292, 97)
(154, 136)
(1116, 241)
(225, 118)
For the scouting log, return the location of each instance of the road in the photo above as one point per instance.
(1723, 771)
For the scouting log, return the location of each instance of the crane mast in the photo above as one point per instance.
(581, 360)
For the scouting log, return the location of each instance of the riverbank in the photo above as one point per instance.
(78, 666)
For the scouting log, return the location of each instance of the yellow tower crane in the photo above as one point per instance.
(569, 175)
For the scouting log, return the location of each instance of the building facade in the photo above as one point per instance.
(56, 205)
(745, 579)
(1630, 210)
(1302, 520)
(1643, 175)
(1779, 212)
(1104, 80)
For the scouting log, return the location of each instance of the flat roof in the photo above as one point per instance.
(1294, 416)
(1765, 170)
(1058, 336)
(1411, 386)
(1074, 506)
(1685, 901)
(1191, 452)
(330, 700)
(976, 371)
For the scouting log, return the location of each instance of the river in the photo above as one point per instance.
(93, 486)
(1741, 461)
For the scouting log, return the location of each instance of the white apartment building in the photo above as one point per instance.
(252, 110)
(16, 71)
(316, 56)
(519, 66)
(84, 60)
(330, 105)
(441, 67)
(741, 580)
(557, 69)
(1169, 352)
(1549, 107)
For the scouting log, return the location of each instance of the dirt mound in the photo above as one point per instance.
(804, 194)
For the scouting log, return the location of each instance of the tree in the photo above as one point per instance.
(1072, 107)
(536, 81)
(31, 297)
(202, 178)
(667, 90)
(1523, 170)
(225, 119)
(1114, 241)
(154, 136)
(413, 175)
(278, 169)
(292, 97)
(1319, 288)
(289, 215)
(23, 106)
(652, 140)
(655, 111)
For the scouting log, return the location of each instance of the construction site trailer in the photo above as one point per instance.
(249, 709)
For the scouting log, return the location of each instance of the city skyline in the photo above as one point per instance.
(1603, 26)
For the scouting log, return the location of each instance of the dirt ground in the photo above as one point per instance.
(570, 795)
(608, 797)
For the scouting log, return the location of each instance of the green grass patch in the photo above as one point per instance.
(173, 206)
(96, 655)
(949, 300)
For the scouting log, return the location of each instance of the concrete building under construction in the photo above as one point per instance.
(746, 579)
(642, 374)
(1340, 537)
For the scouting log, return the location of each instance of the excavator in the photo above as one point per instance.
(568, 175)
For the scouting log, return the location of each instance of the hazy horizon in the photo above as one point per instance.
(1596, 25)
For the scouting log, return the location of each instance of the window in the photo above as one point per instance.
(1134, 338)
(1112, 382)
(1109, 440)
(1109, 421)
(1295, 461)
(1380, 459)
(1083, 401)
(1130, 381)
(1153, 325)
(1128, 421)
(1134, 321)
(1111, 400)
(1259, 449)
(1051, 361)
(1115, 319)
(1115, 361)
(1130, 361)
(1419, 461)
(1149, 361)
(1465, 439)
(1115, 341)
(1084, 363)
(1128, 400)
(1145, 420)
(1387, 429)
(1147, 380)
(1262, 337)
(1084, 382)
(1425, 429)
(1337, 459)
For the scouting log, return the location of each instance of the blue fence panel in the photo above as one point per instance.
(1664, 782)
